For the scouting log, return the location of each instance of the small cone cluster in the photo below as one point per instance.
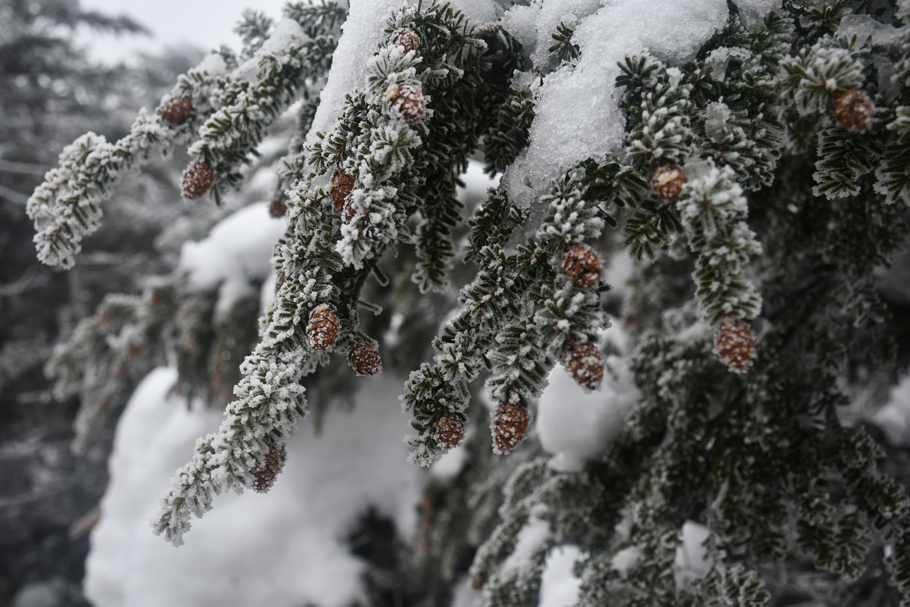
(277, 208)
(408, 104)
(364, 358)
(349, 211)
(584, 363)
(264, 475)
(342, 184)
(406, 39)
(510, 424)
(734, 343)
(668, 181)
(582, 266)
(854, 110)
(197, 179)
(175, 110)
(449, 431)
(322, 330)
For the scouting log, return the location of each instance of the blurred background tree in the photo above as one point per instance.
(49, 94)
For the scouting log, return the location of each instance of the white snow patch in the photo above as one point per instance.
(625, 559)
(234, 254)
(267, 292)
(285, 34)
(286, 547)
(559, 587)
(753, 12)
(463, 595)
(903, 9)
(531, 538)
(535, 25)
(577, 112)
(361, 34)
(213, 65)
(894, 417)
(576, 426)
(450, 464)
(716, 116)
(618, 272)
(692, 561)
(865, 28)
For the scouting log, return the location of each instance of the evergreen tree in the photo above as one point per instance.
(49, 94)
(749, 157)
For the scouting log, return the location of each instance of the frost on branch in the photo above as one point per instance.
(713, 211)
(738, 160)
(67, 207)
(328, 255)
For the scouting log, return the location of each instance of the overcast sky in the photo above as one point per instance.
(204, 23)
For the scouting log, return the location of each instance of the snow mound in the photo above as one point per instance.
(283, 548)
(234, 255)
(894, 417)
(559, 586)
(576, 425)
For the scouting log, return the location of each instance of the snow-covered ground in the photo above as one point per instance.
(283, 548)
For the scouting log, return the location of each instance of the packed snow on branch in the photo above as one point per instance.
(234, 256)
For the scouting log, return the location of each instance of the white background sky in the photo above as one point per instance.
(204, 23)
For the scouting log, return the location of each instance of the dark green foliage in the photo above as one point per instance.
(844, 157)
(564, 49)
(509, 134)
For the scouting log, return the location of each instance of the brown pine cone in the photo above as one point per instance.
(854, 110)
(349, 211)
(585, 364)
(668, 181)
(406, 39)
(510, 423)
(277, 208)
(264, 475)
(734, 343)
(197, 179)
(364, 358)
(342, 184)
(449, 431)
(582, 265)
(408, 103)
(322, 330)
(175, 110)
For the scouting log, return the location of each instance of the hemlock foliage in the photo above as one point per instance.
(759, 186)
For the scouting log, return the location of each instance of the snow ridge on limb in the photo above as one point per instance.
(67, 206)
